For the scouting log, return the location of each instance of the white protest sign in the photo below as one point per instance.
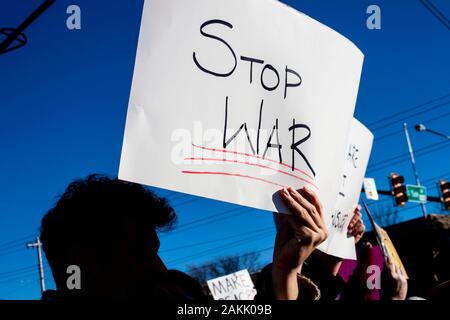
(370, 189)
(235, 286)
(235, 99)
(357, 156)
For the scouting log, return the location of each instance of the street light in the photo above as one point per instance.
(420, 127)
(413, 162)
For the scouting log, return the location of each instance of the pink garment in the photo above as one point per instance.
(373, 257)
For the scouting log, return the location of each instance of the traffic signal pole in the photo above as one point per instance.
(389, 193)
(413, 162)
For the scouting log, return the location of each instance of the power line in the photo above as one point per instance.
(418, 155)
(178, 205)
(201, 221)
(177, 196)
(243, 255)
(407, 110)
(388, 135)
(198, 225)
(13, 242)
(23, 276)
(29, 274)
(11, 252)
(12, 247)
(212, 216)
(443, 175)
(18, 275)
(436, 12)
(21, 270)
(220, 248)
(22, 286)
(394, 122)
(404, 156)
(7, 273)
(216, 240)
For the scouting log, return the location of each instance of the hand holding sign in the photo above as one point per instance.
(356, 226)
(394, 281)
(297, 237)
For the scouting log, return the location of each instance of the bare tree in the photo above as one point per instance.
(385, 215)
(225, 265)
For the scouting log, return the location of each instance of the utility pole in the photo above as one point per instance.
(413, 162)
(38, 245)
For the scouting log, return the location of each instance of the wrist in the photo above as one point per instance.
(284, 283)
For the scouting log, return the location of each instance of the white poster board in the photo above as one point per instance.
(207, 69)
(357, 155)
(235, 286)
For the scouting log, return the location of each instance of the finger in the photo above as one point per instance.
(389, 262)
(357, 209)
(400, 273)
(309, 195)
(362, 228)
(310, 208)
(397, 270)
(358, 228)
(353, 220)
(312, 197)
(391, 267)
(301, 214)
(357, 216)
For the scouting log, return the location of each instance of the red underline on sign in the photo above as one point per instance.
(253, 156)
(233, 175)
(256, 165)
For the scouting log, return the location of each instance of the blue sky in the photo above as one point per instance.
(65, 95)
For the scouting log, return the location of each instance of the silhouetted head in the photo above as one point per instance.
(107, 228)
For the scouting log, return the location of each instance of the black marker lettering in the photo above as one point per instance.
(259, 126)
(229, 25)
(243, 126)
(269, 66)
(286, 84)
(251, 60)
(271, 145)
(295, 145)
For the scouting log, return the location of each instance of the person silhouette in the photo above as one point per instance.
(108, 229)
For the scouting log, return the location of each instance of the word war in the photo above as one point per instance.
(272, 136)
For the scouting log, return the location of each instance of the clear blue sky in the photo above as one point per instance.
(64, 98)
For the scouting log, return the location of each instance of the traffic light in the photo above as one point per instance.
(398, 189)
(444, 186)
